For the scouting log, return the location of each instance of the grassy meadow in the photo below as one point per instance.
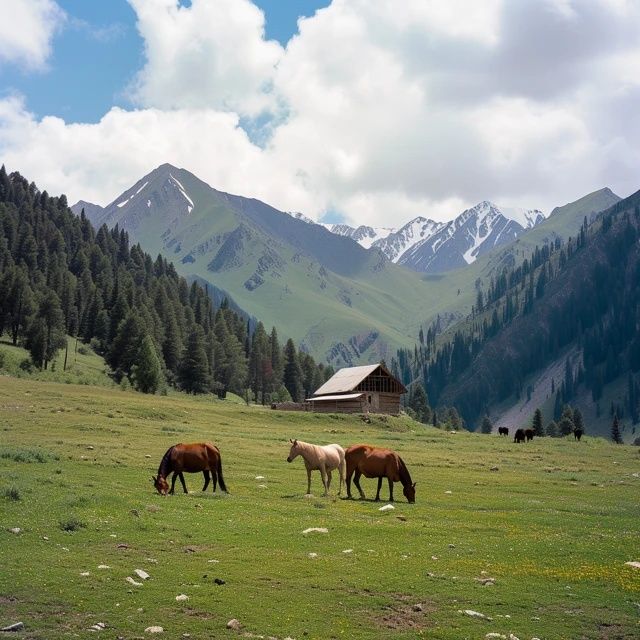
(538, 545)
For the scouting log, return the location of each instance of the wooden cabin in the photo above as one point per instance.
(359, 390)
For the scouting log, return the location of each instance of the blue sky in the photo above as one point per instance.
(98, 51)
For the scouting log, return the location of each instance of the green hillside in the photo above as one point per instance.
(534, 537)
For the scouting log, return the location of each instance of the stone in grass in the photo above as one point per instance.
(313, 555)
(98, 626)
(182, 597)
(104, 566)
(474, 614)
(417, 607)
(130, 580)
(16, 626)
(316, 530)
(141, 574)
(154, 629)
(387, 507)
(15, 530)
(496, 636)
(632, 563)
(234, 624)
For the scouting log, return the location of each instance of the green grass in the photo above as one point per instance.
(554, 526)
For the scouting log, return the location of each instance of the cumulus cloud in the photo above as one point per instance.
(377, 113)
(26, 31)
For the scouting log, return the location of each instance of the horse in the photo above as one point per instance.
(375, 462)
(519, 436)
(503, 431)
(198, 456)
(324, 458)
(577, 434)
(529, 433)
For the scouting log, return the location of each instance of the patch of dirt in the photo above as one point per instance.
(609, 631)
(7, 599)
(402, 616)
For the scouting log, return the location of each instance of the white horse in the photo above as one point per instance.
(324, 458)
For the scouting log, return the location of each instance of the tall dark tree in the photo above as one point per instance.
(537, 425)
(566, 425)
(46, 333)
(146, 373)
(193, 374)
(292, 377)
(486, 426)
(616, 436)
(578, 422)
(552, 430)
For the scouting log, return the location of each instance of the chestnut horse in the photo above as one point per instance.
(325, 458)
(375, 462)
(199, 456)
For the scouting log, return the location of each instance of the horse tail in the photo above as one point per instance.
(223, 486)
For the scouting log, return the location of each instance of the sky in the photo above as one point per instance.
(363, 111)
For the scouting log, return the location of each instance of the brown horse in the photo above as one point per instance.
(374, 462)
(199, 456)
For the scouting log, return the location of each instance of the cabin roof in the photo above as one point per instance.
(344, 396)
(347, 379)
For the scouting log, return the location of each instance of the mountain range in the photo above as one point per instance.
(343, 303)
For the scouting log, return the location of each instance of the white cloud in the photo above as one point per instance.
(379, 114)
(27, 28)
(211, 54)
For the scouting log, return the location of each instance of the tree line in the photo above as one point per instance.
(60, 277)
(581, 293)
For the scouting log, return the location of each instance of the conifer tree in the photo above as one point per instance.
(578, 422)
(146, 373)
(46, 331)
(123, 352)
(552, 429)
(486, 426)
(538, 429)
(292, 377)
(193, 373)
(616, 436)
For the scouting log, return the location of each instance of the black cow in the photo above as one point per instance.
(577, 434)
(503, 431)
(519, 437)
(529, 433)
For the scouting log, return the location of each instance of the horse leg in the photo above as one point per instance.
(390, 489)
(356, 481)
(328, 479)
(205, 473)
(214, 479)
(173, 482)
(323, 473)
(341, 473)
(379, 487)
(308, 481)
(184, 486)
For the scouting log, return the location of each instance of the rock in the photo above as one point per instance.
(141, 574)
(498, 636)
(434, 557)
(259, 477)
(98, 626)
(234, 624)
(147, 455)
(431, 574)
(45, 537)
(635, 565)
(182, 597)
(313, 555)
(316, 530)
(387, 507)
(449, 492)
(104, 566)
(122, 545)
(15, 530)
(347, 551)
(85, 574)
(130, 580)
(452, 546)
(417, 607)
(16, 626)
(262, 486)
(90, 447)
(512, 637)
(494, 468)
(475, 614)
(486, 581)
(154, 629)
(219, 581)
(403, 518)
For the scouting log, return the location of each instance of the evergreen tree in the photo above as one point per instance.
(538, 429)
(193, 373)
(292, 377)
(486, 426)
(552, 429)
(419, 403)
(46, 331)
(578, 422)
(124, 349)
(566, 426)
(146, 373)
(616, 436)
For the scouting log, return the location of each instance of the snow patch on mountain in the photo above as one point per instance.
(183, 192)
(396, 243)
(364, 235)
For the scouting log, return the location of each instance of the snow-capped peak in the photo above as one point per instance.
(364, 235)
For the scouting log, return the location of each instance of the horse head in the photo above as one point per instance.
(410, 492)
(161, 485)
(294, 451)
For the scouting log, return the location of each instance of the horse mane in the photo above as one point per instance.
(165, 464)
(405, 477)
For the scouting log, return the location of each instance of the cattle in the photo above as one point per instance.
(577, 434)
(503, 431)
(529, 433)
(519, 436)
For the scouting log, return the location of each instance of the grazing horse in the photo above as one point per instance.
(323, 458)
(375, 462)
(519, 436)
(199, 456)
(529, 433)
(577, 434)
(503, 431)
